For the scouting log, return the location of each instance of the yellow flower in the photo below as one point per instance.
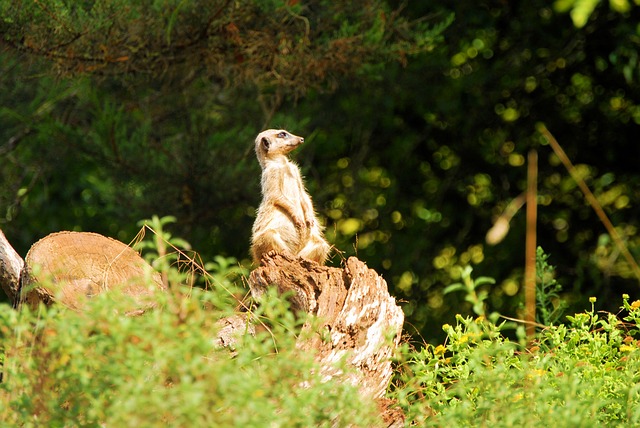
(440, 350)
(626, 348)
(535, 373)
(636, 304)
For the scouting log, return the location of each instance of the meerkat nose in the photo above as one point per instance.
(301, 140)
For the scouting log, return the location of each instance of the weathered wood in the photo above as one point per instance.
(230, 329)
(392, 415)
(11, 266)
(70, 267)
(357, 313)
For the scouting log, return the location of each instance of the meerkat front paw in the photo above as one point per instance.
(299, 223)
(283, 253)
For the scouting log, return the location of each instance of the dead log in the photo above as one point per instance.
(11, 266)
(71, 267)
(358, 316)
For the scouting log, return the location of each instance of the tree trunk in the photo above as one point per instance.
(355, 309)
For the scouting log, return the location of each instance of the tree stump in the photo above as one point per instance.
(355, 310)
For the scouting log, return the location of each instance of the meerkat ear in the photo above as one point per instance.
(265, 143)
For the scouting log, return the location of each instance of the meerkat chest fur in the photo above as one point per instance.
(281, 180)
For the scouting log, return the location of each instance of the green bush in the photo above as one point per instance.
(102, 368)
(585, 373)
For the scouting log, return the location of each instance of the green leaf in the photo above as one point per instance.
(481, 280)
(582, 10)
(454, 287)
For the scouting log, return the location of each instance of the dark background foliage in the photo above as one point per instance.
(418, 118)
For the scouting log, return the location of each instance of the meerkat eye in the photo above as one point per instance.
(282, 135)
(265, 143)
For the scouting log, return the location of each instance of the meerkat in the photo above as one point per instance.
(286, 221)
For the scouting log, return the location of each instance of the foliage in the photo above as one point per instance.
(549, 306)
(274, 44)
(471, 288)
(424, 173)
(157, 248)
(416, 131)
(581, 10)
(99, 367)
(173, 256)
(581, 374)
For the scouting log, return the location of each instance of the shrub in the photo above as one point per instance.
(101, 368)
(585, 373)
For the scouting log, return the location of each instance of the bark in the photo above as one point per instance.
(11, 266)
(360, 321)
(230, 329)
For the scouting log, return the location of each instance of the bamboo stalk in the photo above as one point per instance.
(530, 245)
(592, 200)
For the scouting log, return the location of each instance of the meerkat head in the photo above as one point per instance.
(273, 143)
